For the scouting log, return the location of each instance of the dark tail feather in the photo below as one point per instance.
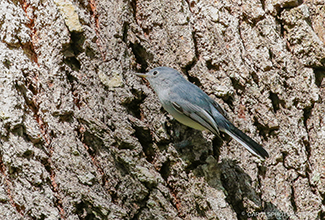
(246, 141)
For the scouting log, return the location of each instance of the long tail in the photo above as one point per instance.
(246, 141)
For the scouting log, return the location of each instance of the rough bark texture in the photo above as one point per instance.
(83, 138)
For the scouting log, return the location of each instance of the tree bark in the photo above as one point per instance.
(83, 138)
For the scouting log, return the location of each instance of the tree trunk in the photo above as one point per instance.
(83, 138)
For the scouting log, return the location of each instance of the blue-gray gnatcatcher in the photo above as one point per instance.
(188, 104)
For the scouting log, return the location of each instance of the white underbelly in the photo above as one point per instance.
(184, 119)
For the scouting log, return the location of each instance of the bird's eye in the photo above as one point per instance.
(155, 73)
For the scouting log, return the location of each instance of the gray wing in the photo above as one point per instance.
(209, 114)
(219, 108)
(197, 114)
(193, 94)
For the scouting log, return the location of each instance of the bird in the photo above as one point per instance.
(192, 107)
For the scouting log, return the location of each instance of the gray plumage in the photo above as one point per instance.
(188, 104)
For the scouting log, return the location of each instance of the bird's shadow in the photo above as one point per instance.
(202, 157)
(238, 186)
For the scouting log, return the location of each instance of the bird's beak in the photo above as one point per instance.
(143, 75)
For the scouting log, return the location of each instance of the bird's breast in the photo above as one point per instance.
(181, 117)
